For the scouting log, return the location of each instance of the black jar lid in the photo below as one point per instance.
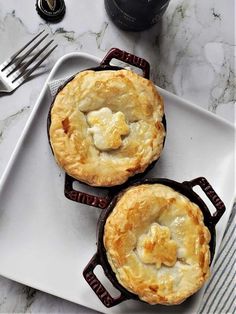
(51, 10)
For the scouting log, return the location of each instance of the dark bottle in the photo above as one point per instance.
(135, 15)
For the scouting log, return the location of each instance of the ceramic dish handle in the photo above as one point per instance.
(97, 286)
(84, 198)
(115, 53)
(211, 194)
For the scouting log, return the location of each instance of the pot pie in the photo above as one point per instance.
(106, 126)
(157, 244)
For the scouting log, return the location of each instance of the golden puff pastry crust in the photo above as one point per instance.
(106, 126)
(157, 244)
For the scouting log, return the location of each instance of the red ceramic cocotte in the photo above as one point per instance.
(109, 202)
(115, 53)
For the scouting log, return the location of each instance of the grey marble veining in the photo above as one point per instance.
(191, 55)
(5, 123)
(196, 51)
(188, 45)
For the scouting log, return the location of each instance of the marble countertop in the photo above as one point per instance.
(191, 55)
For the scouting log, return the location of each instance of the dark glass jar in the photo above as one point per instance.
(135, 15)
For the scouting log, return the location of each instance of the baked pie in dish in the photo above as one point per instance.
(107, 126)
(157, 244)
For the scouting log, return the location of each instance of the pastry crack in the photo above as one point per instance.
(183, 261)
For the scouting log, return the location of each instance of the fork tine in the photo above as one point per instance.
(13, 57)
(25, 66)
(27, 74)
(18, 62)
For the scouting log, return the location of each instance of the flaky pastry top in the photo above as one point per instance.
(157, 244)
(107, 126)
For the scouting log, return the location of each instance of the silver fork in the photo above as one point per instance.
(14, 72)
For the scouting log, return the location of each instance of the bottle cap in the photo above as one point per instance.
(51, 10)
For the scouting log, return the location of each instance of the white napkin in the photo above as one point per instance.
(219, 295)
(54, 85)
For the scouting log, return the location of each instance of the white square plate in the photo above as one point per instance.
(47, 240)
